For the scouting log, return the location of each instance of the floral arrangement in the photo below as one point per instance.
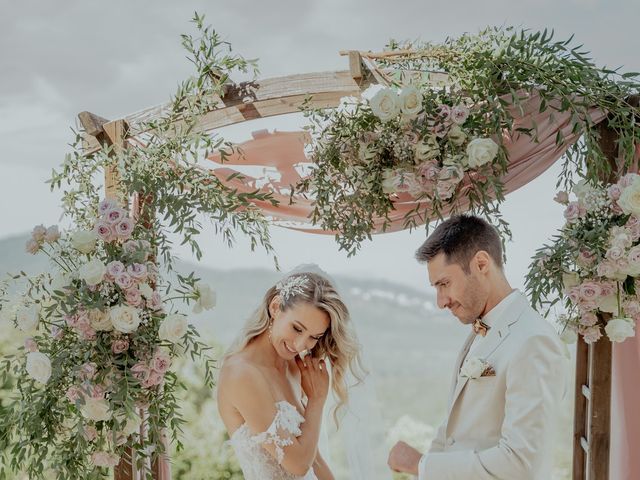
(438, 145)
(104, 325)
(594, 261)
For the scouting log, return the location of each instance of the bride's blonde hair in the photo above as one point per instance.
(339, 344)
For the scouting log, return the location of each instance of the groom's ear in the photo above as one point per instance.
(482, 261)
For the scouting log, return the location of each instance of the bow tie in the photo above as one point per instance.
(480, 328)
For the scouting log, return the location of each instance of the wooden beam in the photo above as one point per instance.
(115, 133)
(355, 65)
(92, 123)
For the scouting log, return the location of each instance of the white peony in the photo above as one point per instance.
(92, 272)
(96, 409)
(385, 104)
(124, 318)
(100, 320)
(39, 367)
(206, 297)
(481, 151)
(473, 367)
(608, 304)
(173, 328)
(410, 101)
(84, 240)
(619, 329)
(629, 200)
(27, 317)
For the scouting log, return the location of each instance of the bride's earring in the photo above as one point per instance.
(270, 327)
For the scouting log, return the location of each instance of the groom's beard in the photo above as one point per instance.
(472, 303)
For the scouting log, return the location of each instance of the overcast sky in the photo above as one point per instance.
(114, 58)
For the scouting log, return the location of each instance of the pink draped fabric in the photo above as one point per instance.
(625, 419)
(284, 151)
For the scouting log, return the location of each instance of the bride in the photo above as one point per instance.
(271, 395)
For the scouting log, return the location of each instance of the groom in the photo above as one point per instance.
(509, 376)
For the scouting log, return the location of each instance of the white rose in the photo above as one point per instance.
(124, 318)
(481, 151)
(629, 200)
(173, 328)
(59, 281)
(131, 424)
(473, 367)
(84, 240)
(456, 135)
(385, 104)
(145, 290)
(608, 304)
(27, 317)
(92, 272)
(100, 321)
(410, 101)
(206, 297)
(96, 409)
(39, 367)
(619, 329)
(371, 91)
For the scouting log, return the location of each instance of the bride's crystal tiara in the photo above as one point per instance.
(292, 286)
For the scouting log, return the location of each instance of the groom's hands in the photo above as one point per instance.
(404, 458)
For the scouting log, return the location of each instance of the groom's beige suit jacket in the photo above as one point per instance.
(500, 427)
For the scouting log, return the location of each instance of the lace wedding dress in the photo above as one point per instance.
(256, 462)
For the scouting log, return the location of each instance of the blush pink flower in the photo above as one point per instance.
(588, 319)
(32, 247)
(124, 281)
(562, 198)
(590, 334)
(115, 216)
(140, 371)
(614, 191)
(30, 345)
(114, 269)
(573, 211)
(74, 394)
(161, 361)
(155, 302)
(52, 234)
(106, 206)
(133, 297)
(38, 233)
(590, 291)
(459, 114)
(89, 433)
(88, 371)
(138, 271)
(124, 228)
(120, 345)
(154, 378)
(103, 230)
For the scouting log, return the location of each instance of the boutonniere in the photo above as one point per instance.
(475, 367)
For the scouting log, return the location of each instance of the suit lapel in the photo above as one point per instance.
(456, 372)
(488, 345)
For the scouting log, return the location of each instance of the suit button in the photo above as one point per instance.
(450, 441)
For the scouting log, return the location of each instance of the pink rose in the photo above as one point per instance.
(105, 459)
(88, 371)
(444, 111)
(606, 269)
(138, 271)
(130, 246)
(627, 180)
(155, 302)
(161, 361)
(89, 433)
(590, 291)
(574, 295)
(30, 345)
(124, 281)
(104, 232)
(106, 206)
(616, 252)
(140, 371)
(52, 234)
(573, 211)
(56, 332)
(608, 288)
(133, 297)
(120, 345)
(88, 334)
(590, 334)
(154, 378)
(38, 233)
(633, 224)
(585, 258)
(124, 228)
(631, 308)
(459, 114)
(614, 191)
(74, 394)
(32, 247)
(114, 269)
(115, 216)
(446, 188)
(97, 391)
(588, 319)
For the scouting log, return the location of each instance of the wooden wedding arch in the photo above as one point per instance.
(285, 95)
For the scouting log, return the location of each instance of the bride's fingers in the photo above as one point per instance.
(301, 363)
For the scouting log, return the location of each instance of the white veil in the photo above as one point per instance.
(360, 423)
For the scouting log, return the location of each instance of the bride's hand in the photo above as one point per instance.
(314, 378)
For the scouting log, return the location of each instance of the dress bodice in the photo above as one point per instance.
(256, 462)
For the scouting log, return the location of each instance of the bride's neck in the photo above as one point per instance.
(266, 354)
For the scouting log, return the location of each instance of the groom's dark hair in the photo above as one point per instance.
(460, 238)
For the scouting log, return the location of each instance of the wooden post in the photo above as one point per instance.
(582, 397)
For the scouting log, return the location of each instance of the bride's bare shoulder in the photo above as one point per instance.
(239, 372)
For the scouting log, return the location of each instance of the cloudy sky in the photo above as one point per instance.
(114, 58)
